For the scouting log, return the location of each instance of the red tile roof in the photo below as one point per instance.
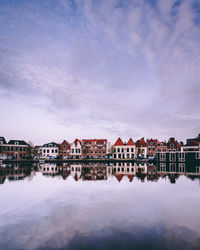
(130, 142)
(155, 141)
(119, 177)
(142, 143)
(77, 140)
(130, 176)
(119, 142)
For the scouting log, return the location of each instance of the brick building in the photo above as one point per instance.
(94, 148)
(64, 148)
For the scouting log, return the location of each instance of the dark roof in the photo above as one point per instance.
(192, 143)
(20, 142)
(51, 143)
(3, 140)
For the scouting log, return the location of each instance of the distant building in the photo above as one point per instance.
(151, 146)
(162, 147)
(173, 145)
(94, 147)
(3, 145)
(76, 149)
(64, 148)
(16, 149)
(123, 150)
(50, 150)
(141, 148)
(191, 145)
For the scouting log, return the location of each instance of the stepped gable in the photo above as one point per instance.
(119, 142)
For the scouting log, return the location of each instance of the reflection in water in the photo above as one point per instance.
(100, 206)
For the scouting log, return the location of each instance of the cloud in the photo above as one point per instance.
(113, 67)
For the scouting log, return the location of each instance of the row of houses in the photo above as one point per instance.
(98, 148)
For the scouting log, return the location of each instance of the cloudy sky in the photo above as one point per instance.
(99, 68)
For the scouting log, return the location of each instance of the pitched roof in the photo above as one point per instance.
(130, 142)
(142, 143)
(162, 144)
(119, 177)
(65, 142)
(130, 176)
(51, 143)
(76, 141)
(20, 142)
(155, 141)
(3, 140)
(192, 143)
(119, 142)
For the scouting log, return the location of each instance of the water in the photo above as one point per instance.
(99, 207)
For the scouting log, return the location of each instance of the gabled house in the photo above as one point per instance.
(173, 145)
(141, 148)
(162, 147)
(151, 146)
(64, 148)
(76, 149)
(123, 150)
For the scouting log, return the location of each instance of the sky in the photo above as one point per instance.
(99, 69)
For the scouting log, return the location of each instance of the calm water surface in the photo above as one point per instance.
(99, 207)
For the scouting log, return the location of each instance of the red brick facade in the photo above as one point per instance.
(94, 147)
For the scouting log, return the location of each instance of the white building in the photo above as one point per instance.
(76, 171)
(142, 148)
(124, 150)
(76, 150)
(50, 150)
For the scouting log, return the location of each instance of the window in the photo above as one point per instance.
(132, 150)
(127, 169)
(181, 156)
(172, 167)
(197, 155)
(52, 151)
(164, 149)
(118, 150)
(162, 156)
(127, 149)
(47, 150)
(172, 156)
(162, 167)
(56, 151)
(44, 150)
(181, 167)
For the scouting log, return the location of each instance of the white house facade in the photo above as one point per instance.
(50, 150)
(76, 150)
(124, 150)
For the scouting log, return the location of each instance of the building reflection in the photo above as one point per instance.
(102, 171)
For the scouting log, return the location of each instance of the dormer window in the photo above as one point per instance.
(16, 143)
